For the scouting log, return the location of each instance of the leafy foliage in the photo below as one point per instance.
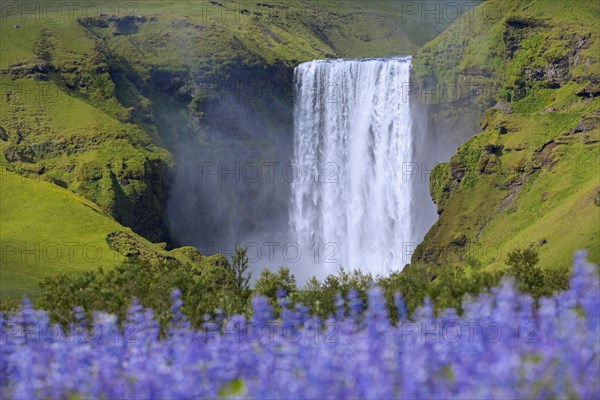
(219, 285)
(239, 266)
(531, 278)
(320, 297)
(202, 291)
(274, 285)
(523, 267)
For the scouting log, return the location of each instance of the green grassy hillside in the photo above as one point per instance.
(531, 176)
(47, 229)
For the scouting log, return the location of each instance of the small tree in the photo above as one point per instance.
(241, 279)
(270, 283)
(522, 265)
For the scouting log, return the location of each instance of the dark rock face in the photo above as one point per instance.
(125, 25)
(143, 210)
(514, 34)
(3, 134)
(591, 90)
(493, 149)
(37, 69)
(18, 153)
(557, 69)
(585, 125)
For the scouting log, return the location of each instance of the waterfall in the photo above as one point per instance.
(352, 139)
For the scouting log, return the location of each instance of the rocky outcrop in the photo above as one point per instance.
(519, 170)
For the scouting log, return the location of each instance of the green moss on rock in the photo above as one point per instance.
(530, 175)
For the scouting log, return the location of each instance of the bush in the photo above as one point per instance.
(239, 266)
(449, 288)
(522, 266)
(225, 288)
(320, 298)
(112, 291)
(8, 305)
(556, 279)
(275, 284)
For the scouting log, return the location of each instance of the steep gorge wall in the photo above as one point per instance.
(529, 176)
(63, 122)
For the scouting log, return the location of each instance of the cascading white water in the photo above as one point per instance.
(352, 134)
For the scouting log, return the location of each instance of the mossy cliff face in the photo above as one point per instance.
(47, 229)
(62, 122)
(529, 176)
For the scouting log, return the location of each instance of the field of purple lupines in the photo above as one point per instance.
(501, 346)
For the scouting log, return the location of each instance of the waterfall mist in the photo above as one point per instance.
(228, 188)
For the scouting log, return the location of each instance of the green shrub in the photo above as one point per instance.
(222, 288)
(320, 297)
(522, 266)
(239, 266)
(112, 291)
(273, 284)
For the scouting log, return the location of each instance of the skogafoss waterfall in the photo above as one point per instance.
(352, 140)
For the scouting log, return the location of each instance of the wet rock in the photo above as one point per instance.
(585, 125)
(590, 91)
(491, 148)
(504, 107)
(19, 153)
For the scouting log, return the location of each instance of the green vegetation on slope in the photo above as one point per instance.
(531, 176)
(43, 224)
(48, 230)
(69, 142)
(60, 120)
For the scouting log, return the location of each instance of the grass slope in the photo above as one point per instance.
(45, 229)
(531, 177)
